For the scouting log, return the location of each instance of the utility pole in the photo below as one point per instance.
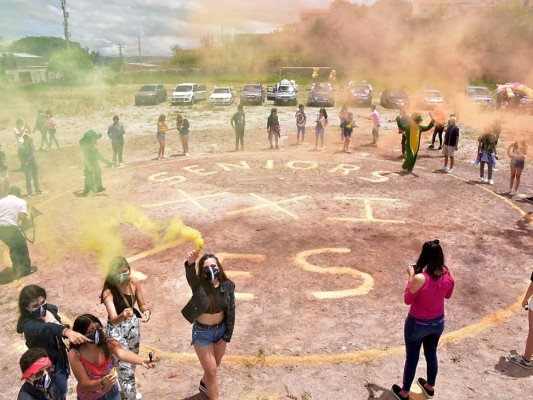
(119, 45)
(139, 41)
(65, 22)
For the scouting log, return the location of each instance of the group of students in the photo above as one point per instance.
(103, 357)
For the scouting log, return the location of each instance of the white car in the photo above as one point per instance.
(222, 95)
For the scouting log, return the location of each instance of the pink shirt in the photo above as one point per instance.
(376, 121)
(428, 302)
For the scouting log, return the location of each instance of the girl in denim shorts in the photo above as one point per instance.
(211, 310)
(517, 152)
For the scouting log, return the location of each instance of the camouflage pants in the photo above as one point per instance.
(127, 333)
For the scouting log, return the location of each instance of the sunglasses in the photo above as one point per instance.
(35, 307)
(40, 374)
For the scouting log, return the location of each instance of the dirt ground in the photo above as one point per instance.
(317, 243)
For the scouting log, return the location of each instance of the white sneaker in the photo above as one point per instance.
(491, 182)
(449, 170)
(512, 193)
(445, 169)
(138, 396)
(186, 154)
(481, 180)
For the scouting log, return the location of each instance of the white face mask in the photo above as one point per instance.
(43, 382)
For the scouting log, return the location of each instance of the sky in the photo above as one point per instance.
(101, 24)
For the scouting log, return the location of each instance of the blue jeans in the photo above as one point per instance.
(113, 394)
(60, 378)
(417, 333)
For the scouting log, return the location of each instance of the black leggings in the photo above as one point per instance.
(438, 130)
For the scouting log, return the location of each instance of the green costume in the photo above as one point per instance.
(413, 131)
(91, 158)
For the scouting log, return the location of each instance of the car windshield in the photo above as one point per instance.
(286, 89)
(432, 93)
(478, 91)
(321, 87)
(251, 88)
(183, 88)
(360, 88)
(148, 88)
(396, 93)
(221, 90)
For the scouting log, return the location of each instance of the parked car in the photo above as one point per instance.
(393, 98)
(252, 93)
(188, 93)
(321, 95)
(526, 105)
(222, 95)
(151, 94)
(429, 98)
(360, 94)
(286, 92)
(480, 96)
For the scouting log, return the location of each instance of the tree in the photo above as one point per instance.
(73, 64)
(42, 46)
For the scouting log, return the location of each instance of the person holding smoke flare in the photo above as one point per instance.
(413, 132)
(93, 362)
(119, 295)
(38, 374)
(430, 282)
(211, 311)
(41, 325)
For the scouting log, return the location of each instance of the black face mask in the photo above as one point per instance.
(43, 382)
(97, 336)
(40, 312)
(211, 273)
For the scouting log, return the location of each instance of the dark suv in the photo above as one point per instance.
(151, 94)
(252, 93)
(394, 98)
(321, 95)
(360, 94)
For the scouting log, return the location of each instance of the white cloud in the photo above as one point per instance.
(159, 23)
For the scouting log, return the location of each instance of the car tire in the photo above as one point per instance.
(192, 101)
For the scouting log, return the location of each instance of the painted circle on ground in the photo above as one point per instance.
(317, 246)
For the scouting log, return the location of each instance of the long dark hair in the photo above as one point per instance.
(208, 286)
(81, 324)
(431, 260)
(117, 263)
(27, 294)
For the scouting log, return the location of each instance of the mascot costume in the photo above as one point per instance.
(413, 132)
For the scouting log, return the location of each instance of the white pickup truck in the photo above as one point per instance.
(188, 93)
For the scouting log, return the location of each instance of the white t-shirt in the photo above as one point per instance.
(10, 208)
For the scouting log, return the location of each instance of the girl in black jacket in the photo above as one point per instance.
(211, 310)
(41, 325)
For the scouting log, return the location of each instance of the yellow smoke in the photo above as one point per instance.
(177, 229)
(135, 217)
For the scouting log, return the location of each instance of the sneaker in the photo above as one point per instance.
(431, 146)
(481, 179)
(450, 170)
(121, 164)
(519, 360)
(396, 392)
(445, 169)
(512, 193)
(440, 148)
(490, 182)
(186, 154)
(138, 396)
(28, 196)
(428, 392)
(100, 189)
(203, 388)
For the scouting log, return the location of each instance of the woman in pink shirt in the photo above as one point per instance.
(430, 282)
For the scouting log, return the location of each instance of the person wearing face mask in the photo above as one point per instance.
(93, 363)
(211, 311)
(37, 372)
(41, 325)
(119, 295)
